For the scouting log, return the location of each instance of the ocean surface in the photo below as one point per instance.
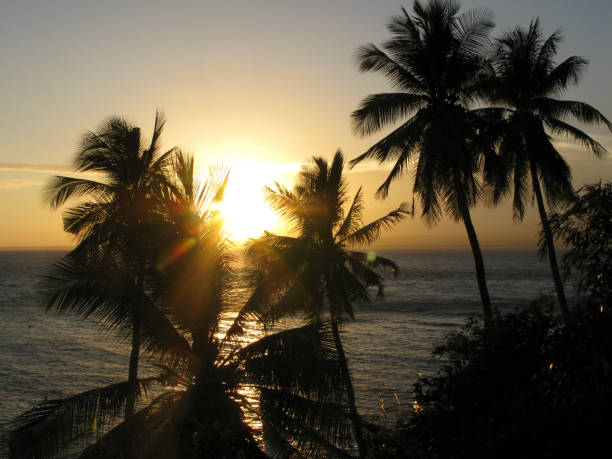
(44, 355)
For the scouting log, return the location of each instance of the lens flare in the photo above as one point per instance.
(174, 253)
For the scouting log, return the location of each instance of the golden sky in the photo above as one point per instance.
(272, 83)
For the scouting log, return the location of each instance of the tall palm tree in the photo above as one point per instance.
(315, 271)
(113, 214)
(525, 89)
(433, 59)
(210, 373)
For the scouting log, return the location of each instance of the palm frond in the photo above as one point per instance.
(343, 289)
(520, 175)
(267, 251)
(285, 202)
(374, 261)
(103, 150)
(158, 126)
(60, 189)
(352, 220)
(396, 172)
(97, 285)
(472, 29)
(152, 431)
(553, 108)
(372, 58)
(251, 311)
(300, 361)
(401, 143)
(302, 296)
(309, 427)
(78, 286)
(90, 217)
(566, 73)
(371, 232)
(299, 379)
(426, 187)
(377, 111)
(53, 427)
(358, 264)
(549, 47)
(558, 127)
(557, 186)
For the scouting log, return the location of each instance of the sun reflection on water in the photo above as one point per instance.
(252, 332)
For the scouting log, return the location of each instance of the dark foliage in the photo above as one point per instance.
(531, 384)
(211, 383)
(586, 228)
(434, 61)
(524, 92)
(313, 272)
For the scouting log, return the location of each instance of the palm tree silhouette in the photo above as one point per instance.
(112, 217)
(433, 59)
(315, 271)
(526, 84)
(296, 372)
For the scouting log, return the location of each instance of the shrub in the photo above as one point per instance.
(586, 229)
(532, 384)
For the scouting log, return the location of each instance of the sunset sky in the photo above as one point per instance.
(258, 85)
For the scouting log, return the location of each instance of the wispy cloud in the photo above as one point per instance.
(370, 166)
(19, 183)
(564, 143)
(28, 167)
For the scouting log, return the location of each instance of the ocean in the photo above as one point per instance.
(45, 355)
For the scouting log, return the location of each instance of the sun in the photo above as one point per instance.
(244, 209)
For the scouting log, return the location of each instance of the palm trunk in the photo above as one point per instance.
(133, 369)
(135, 354)
(349, 390)
(550, 246)
(478, 261)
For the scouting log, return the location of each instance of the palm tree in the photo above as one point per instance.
(112, 216)
(433, 59)
(314, 271)
(526, 85)
(210, 374)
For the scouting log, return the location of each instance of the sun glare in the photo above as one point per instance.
(244, 208)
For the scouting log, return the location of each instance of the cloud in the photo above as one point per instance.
(43, 168)
(572, 146)
(370, 166)
(19, 183)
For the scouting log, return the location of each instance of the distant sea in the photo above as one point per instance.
(46, 355)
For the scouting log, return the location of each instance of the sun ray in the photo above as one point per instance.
(243, 207)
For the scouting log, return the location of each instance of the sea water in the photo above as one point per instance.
(45, 355)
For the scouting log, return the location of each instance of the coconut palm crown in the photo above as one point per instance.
(315, 271)
(434, 61)
(213, 387)
(115, 207)
(524, 94)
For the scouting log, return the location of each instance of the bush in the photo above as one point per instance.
(586, 229)
(532, 384)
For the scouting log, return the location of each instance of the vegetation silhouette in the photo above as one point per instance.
(434, 60)
(524, 93)
(586, 229)
(530, 384)
(315, 271)
(199, 407)
(153, 266)
(108, 223)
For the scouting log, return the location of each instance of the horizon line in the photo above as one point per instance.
(383, 247)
